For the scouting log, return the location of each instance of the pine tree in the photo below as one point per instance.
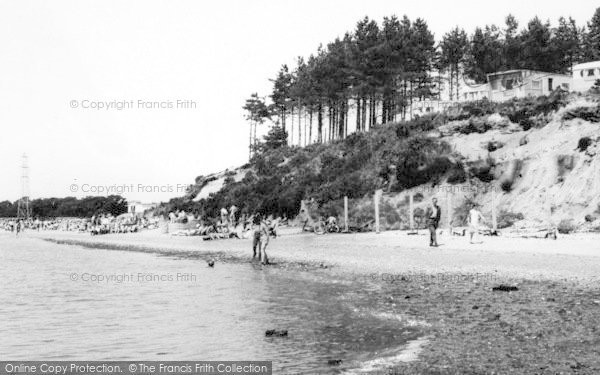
(257, 112)
(281, 92)
(454, 48)
(536, 46)
(485, 54)
(512, 45)
(592, 38)
(566, 44)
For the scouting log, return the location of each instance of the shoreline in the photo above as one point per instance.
(391, 253)
(549, 324)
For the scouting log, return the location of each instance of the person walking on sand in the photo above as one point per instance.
(19, 227)
(435, 213)
(474, 218)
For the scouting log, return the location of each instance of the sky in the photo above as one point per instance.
(141, 97)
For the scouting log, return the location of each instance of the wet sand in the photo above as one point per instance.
(550, 324)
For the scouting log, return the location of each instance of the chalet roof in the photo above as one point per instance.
(587, 65)
(522, 71)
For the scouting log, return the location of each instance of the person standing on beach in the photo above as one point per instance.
(18, 227)
(435, 213)
(474, 217)
(260, 239)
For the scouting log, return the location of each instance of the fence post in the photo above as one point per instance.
(411, 221)
(449, 208)
(376, 198)
(346, 213)
(494, 220)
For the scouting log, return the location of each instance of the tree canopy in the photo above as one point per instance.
(379, 70)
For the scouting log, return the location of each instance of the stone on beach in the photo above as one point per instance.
(276, 332)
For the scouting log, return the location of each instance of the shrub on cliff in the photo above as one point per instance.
(506, 219)
(591, 114)
(584, 143)
(566, 226)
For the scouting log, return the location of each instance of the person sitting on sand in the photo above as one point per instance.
(331, 220)
(435, 214)
(474, 217)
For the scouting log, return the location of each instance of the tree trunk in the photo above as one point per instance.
(329, 118)
(310, 127)
(347, 110)
(320, 123)
(451, 84)
(305, 141)
(370, 111)
(283, 120)
(457, 83)
(299, 127)
(358, 114)
(342, 120)
(364, 114)
(255, 123)
(411, 99)
(373, 119)
(250, 143)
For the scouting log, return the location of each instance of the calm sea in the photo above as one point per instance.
(69, 302)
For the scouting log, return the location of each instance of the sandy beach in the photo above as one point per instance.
(547, 324)
(569, 257)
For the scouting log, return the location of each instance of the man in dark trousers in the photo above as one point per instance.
(434, 220)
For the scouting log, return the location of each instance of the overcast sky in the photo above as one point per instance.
(60, 58)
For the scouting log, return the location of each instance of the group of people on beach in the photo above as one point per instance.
(97, 224)
(474, 220)
(228, 224)
(231, 224)
(13, 225)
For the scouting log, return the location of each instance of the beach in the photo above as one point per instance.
(548, 322)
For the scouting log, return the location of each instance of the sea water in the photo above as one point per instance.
(62, 302)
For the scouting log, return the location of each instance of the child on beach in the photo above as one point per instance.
(474, 217)
(260, 239)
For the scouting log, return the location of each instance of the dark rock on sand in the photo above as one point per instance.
(211, 263)
(334, 362)
(505, 288)
(492, 317)
(276, 332)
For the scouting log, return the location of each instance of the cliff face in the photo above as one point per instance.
(541, 173)
(540, 177)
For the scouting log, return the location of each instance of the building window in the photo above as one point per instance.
(581, 73)
(590, 72)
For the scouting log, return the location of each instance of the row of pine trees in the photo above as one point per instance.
(379, 70)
